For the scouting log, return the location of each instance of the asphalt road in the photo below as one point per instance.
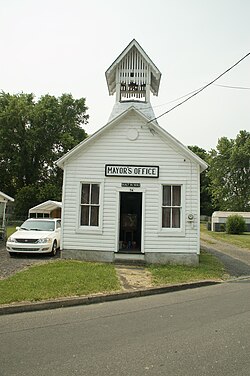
(200, 332)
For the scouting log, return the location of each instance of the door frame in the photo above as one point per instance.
(118, 208)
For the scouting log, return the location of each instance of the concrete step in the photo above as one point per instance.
(130, 259)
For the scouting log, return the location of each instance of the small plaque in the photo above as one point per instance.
(131, 185)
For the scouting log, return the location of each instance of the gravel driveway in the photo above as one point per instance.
(236, 260)
(11, 265)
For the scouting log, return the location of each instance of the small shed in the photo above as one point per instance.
(219, 219)
(47, 209)
(4, 199)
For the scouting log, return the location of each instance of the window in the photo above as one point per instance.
(90, 205)
(39, 215)
(171, 206)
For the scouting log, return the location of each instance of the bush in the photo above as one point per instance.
(235, 224)
(222, 227)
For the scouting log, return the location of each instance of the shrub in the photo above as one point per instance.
(235, 224)
(222, 227)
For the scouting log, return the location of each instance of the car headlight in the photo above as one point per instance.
(11, 239)
(44, 240)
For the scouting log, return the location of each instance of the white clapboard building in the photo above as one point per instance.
(131, 190)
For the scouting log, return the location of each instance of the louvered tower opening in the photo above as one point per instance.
(133, 77)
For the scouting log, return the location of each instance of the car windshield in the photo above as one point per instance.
(38, 225)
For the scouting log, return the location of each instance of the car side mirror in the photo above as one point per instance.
(18, 228)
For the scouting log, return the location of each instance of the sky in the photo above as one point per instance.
(65, 46)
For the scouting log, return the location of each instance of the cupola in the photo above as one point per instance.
(133, 75)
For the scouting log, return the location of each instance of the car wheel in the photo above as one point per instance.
(11, 254)
(54, 249)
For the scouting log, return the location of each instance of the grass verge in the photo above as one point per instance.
(242, 240)
(64, 278)
(209, 268)
(10, 230)
(57, 279)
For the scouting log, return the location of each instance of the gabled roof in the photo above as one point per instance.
(153, 126)
(47, 206)
(6, 197)
(111, 71)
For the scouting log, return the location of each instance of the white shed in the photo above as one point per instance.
(48, 208)
(219, 219)
(131, 190)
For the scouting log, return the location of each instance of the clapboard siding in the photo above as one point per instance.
(113, 147)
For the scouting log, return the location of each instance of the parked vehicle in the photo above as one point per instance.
(36, 235)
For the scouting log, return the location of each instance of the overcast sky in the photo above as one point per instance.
(65, 46)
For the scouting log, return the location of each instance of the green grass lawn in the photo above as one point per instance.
(242, 241)
(209, 268)
(10, 230)
(64, 278)
(59, 278)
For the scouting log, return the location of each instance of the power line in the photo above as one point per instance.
(234, 87)
(194, 91)
(174, 100)
(201, 89)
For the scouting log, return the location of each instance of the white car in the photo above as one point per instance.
(36, 235)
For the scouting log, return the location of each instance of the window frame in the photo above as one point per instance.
(90, 228)
(172, 231)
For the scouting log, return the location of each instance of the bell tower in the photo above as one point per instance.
(133, 75)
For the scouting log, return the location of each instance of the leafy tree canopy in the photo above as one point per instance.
(206, 206)
(229, 173)
(33, 135)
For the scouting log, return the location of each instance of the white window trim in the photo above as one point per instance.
(165, 231)
(90, 229)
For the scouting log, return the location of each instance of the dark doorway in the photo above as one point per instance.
(130, 222)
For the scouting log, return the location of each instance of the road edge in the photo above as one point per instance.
(99, 298)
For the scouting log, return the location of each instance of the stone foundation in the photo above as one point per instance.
(172, 258)
(149, 257)
(98, 256)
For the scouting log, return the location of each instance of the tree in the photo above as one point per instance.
(33, 135)
(206, 206)
(32, 195)
(26, 198)
(229, 173)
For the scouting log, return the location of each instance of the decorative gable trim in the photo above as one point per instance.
(155, 74)
(153, 127)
